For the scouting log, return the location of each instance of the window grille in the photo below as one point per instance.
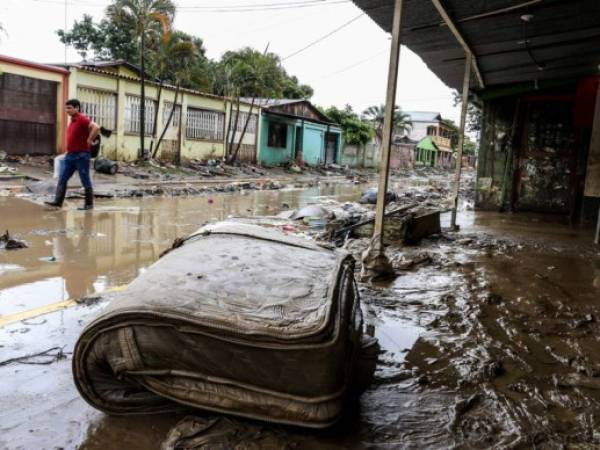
(99, 106)
(132, 114)
(243, 116)
(204, 124)
(176, 115)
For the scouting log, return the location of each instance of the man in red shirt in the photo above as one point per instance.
(80, 135)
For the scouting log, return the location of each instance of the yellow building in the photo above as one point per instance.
(110, 95)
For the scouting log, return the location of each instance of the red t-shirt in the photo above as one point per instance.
(77, 133)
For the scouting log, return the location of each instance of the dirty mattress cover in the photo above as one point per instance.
(239, 277)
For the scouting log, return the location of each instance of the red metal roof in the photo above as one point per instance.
(33, 65)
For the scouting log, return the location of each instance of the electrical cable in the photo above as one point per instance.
(322, 38)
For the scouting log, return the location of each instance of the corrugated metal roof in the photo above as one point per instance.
(266, 102)
(562, 39)
(424, 116)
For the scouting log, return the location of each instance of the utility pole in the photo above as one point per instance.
(65, 31)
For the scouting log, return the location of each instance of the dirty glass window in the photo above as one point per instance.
(100, 106)
(205, 124)
(243, 116)
(132, 114)
(176, 115)
(277, 135)
(431, 131)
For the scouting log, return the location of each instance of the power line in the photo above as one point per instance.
(322, 38)
(255, 5)
(252, 8)
(352, 66)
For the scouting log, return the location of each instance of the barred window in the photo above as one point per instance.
(204, 124)
(243, 116)
(132, 114)
(176, 115)
(99, 106)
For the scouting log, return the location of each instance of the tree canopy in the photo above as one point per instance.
(116, 36)
(356, 130)
(376, 115)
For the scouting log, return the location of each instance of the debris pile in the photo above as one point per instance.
(9, 243)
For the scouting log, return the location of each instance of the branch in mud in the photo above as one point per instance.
(52, 355)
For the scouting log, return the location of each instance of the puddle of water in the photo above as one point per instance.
(73, 254)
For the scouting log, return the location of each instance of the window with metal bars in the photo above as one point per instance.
(243, 116)
(176, 115)
(205, 124)
(132, 114)
(99, 106)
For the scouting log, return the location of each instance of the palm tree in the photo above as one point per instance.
(184, 52)
(144, 18)
(376, 115)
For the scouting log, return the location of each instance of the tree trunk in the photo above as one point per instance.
(164, 131)
(155, 124)
(235, 122)
(237, 149)
(143, 99)
(228, 128)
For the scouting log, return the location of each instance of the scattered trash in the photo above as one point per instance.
(46, 357)
(9, 243)
(370, 196)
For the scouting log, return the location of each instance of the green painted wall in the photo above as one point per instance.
(313, 142)
(275, 156)
(313, 148)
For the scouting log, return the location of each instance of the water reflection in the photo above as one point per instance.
(73, 254)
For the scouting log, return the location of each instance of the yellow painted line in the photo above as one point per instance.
(47, 309)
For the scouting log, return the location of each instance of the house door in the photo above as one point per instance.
(547, 160)
(169, 147)
(27, 115)
(330, 148)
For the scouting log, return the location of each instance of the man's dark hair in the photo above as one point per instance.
(74, 103)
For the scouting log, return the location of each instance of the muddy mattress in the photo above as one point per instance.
(236, 319)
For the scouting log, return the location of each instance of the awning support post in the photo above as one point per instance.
(461, 137)
(374, 260)
(597, 239)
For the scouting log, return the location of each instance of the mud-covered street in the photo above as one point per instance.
(489, 336)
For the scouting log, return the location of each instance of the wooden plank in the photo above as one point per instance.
(592, 179)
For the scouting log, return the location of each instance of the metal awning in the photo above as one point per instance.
(511, 41)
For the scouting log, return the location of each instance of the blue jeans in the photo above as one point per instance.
(80, 162)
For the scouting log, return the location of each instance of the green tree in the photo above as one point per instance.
(106, 40)
(147, 19)
(250, 75)
(174, 47)
(376, 115)
(356, 130)
(474, 112)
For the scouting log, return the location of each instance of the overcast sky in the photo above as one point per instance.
(349, 67)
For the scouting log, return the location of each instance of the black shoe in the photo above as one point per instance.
(89, 200)
(59, 197)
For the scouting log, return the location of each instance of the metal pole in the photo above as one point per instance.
(390, 104)
(461, 137)
(597, 239)
(65, 30)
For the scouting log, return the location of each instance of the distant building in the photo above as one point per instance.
(295, 130)
(433, 137)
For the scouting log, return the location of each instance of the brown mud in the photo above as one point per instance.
(489, 337)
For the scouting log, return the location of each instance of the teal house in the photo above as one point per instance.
(296, 131)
